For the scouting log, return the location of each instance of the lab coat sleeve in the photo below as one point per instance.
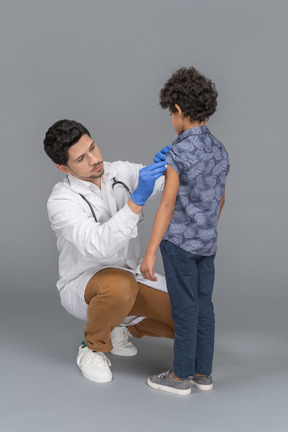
(92, 239)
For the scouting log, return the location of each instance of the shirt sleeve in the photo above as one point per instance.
(174, 161)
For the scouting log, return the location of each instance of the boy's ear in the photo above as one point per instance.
(180, 112)
(63, 168)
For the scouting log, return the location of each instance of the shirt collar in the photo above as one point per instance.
(198, 130)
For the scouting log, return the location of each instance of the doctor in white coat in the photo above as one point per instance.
(95, 212)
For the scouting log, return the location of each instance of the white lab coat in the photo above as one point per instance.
(86, 246)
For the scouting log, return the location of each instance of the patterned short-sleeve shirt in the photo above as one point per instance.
(202, 164)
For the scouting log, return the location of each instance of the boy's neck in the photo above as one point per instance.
(188, 124)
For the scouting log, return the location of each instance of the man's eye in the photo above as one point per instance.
(80, 159)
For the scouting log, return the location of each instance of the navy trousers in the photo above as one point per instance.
(190, 280)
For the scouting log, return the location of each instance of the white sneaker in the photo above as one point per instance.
(94, 365)
(121, 345)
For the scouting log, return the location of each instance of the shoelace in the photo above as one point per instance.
(98, 358)
(165, 374)
(123, 335)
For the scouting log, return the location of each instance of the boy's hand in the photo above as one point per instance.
(161, 156)
(147, 267)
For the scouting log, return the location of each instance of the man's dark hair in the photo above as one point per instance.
(60, 137)
(195, 94)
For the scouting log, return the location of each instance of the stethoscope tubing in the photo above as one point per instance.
(122, 184)
(115, 182)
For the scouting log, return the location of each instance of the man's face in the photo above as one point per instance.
(84, 161)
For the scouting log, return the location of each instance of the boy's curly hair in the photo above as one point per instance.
(195, 94)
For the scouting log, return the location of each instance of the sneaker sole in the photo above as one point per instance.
(202, 386)
(124, 353)
(168, 389)
(100, 380)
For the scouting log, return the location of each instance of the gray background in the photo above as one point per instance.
(103, 64)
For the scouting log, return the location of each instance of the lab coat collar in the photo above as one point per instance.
(84, 187)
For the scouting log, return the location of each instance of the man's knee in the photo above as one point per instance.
(118, 286)
(122, 292)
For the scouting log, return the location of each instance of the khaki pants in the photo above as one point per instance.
(111, 295)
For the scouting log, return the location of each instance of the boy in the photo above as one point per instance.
(186, 219)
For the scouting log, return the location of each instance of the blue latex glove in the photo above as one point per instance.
(147, 178)
(160, 156)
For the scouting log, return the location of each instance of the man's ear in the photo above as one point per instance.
(180, 112)
(63, 168)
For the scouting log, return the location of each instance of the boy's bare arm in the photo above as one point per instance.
(162, 219)
(222, 202)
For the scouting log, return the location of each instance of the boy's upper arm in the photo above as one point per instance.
(171, 186)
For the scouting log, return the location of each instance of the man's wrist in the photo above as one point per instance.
(138, 200)
(136, 208)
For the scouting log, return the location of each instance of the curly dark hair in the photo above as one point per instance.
(195, 94)
(60, 137)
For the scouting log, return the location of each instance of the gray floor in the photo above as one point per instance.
(43, 390)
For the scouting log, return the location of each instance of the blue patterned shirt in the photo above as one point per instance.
(202, 163)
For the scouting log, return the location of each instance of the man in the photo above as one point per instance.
(95, 213)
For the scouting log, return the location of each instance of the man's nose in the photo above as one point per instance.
(93, 159)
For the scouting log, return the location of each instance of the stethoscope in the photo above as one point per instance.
(115, 182)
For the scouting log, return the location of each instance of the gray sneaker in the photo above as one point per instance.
(166, 382)
(202, 383)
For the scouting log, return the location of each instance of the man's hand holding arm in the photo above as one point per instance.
(161, 155)
(147, 178)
